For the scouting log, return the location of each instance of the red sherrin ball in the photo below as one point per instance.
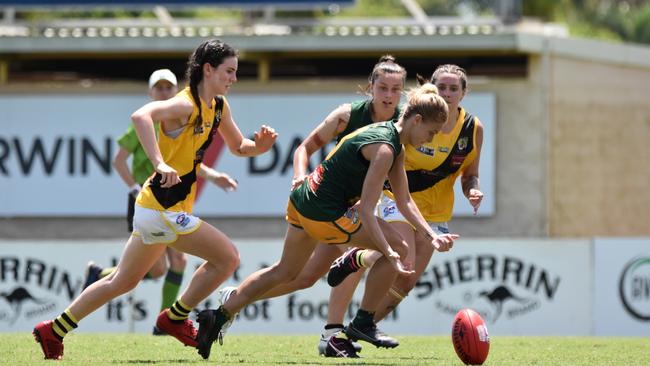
(470, 337)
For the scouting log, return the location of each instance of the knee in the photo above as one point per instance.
(159, 268)
(231, 260)
(305, 281)
(177, 261)
(157, 271)
(400, 246)
(404, 284)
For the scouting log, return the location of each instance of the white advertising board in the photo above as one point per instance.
(622, 291)
(56, 153)
(520, 287)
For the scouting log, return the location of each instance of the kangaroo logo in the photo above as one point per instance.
(498, 296)
(17, 298)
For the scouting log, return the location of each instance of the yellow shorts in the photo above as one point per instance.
(338, 231)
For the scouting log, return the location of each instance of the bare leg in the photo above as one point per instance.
(340, 297)
(222, 258)
(159, 268)
(404, 284)
(315, 268)
(298, 246)
(177, 260)
(136, 260)
(174, 277)
(382, 274)
(380, 278)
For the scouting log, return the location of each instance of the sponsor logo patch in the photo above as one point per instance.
(426, 150)
(389, 210)
(182, 220)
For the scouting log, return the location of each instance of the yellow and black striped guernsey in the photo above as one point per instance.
(433, 168)
(185, 154)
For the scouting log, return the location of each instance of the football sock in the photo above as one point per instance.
(363, 318)
(223, 316)
(179, 311)
(224, 312)
(63, 324)
(358, 258)
(106, 271)
(170, 288)
(331, 329)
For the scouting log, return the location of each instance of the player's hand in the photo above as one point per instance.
(475, 198)
(224, 181)
(296, 181)
(394, 259)
(134, 190)
(265, 138)
(169, 175)
(444, 242)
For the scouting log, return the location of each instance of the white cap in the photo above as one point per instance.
(162, 74)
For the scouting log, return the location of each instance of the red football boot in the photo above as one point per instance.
(51, 345)
(183, 331)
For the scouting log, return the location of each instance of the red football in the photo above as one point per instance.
(470, 337)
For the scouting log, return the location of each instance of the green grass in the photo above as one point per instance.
(129, 349)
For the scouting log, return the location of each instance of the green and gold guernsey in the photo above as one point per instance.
(335, 185)
(360, 116)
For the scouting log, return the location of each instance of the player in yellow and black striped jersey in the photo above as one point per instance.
(163, 214)
(163, 85)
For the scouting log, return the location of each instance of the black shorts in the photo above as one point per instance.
(129, 212)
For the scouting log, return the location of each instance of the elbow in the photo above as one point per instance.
(137, 117)
(238, 148)
(237, 151)
(301, 151)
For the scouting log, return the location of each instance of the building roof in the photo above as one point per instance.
(437, 35)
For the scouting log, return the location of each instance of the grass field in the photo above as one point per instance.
(141, 349)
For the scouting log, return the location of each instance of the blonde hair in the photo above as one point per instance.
(425, 101)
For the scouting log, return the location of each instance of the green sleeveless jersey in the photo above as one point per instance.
(335, 185)
(360, 116)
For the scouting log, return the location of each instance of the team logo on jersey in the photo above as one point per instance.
(462, 143)
(217, 117)
(315, 178)
(426, 151)
(198, 129)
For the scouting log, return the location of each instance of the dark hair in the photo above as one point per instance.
(385, 65)
(451, 69)
(212, 51)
